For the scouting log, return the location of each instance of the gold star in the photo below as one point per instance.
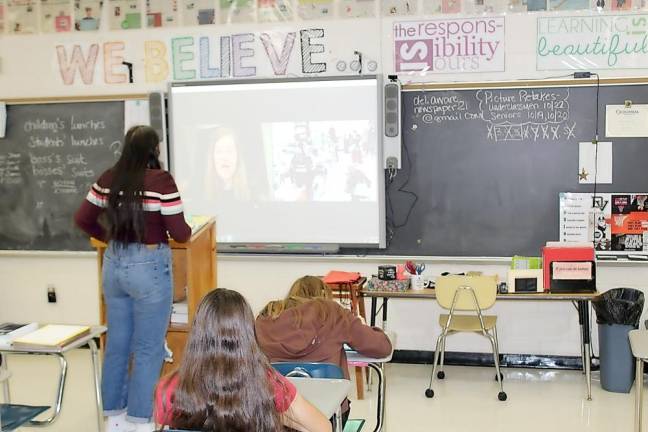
(583, 175)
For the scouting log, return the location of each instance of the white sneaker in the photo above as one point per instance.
(116, 423)
(139, 427)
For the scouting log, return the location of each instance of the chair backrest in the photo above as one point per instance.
(308, 370)
(484, 287)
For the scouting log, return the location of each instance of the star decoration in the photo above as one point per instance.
(583, 174)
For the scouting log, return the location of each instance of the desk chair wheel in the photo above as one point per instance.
(441, 375)
(429, 393)
(501, 396)
(501, 376)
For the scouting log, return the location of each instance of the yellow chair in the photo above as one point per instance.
(466, 293)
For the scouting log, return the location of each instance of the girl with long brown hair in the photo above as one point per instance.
(308, 325)
(225, 382)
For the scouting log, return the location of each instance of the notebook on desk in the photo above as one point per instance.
(51, 336)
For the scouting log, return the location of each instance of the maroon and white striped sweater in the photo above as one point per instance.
(162, 208)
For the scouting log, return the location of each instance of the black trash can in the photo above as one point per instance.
(617, 312)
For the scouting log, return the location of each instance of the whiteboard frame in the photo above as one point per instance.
(382, 222)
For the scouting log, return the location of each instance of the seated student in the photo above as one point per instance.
(309, 326)
(225, 383)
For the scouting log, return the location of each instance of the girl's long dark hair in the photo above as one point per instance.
(125, 213)
(224, 382)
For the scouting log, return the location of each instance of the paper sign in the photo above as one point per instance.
(593, 165)
(626, 121)
(571, 270)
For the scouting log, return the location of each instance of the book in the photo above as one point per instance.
(51, 336)
(11, 331)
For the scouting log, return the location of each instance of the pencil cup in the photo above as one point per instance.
(417, 282)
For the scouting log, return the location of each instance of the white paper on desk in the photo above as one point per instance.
(136, 112)
(587, 161)
(630, 121)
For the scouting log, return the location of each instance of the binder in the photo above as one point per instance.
(563, 253)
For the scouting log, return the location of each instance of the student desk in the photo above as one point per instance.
(582, 301)
(325, 394)
(377, 365)
(59, 353)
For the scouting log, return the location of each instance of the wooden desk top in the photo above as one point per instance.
(98, 244)
(431, 294)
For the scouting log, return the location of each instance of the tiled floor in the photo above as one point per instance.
(465, 401)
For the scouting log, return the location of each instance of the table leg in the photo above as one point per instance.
(5, 384)
(638, 394)
(583, 312)
(59, 393)
(384, 314)
(374, 304)
(97, 382)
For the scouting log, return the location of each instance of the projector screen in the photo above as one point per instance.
(282, 161)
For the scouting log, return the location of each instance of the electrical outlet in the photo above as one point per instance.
(51, 294)
(392, 163)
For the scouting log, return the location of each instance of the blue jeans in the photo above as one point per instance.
(137, 286)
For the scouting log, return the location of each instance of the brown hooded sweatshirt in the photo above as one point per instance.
(318, 339)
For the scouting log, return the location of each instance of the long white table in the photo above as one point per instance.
(325, 394)
(59, 353)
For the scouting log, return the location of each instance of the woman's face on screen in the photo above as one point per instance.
(225, 157)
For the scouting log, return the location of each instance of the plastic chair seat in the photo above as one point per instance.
(13, 416)
(467, 323)
(309, 370)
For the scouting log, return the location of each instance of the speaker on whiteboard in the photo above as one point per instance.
(392, 132)
(3, 119)
(157, 115)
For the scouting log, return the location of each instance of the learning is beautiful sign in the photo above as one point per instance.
(592, 42)
(450, 45)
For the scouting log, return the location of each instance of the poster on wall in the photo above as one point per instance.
(161, 13)
(235, 11)
(315, 9)
(198, 12)
(125, 14)
(358, 8)
(450, 45)
(628, 120)
(591, 42)
(563, 5)
(399, 7)
(87, 14)
(616, 223)
(274, 10)
(56, 16)
(21, 16)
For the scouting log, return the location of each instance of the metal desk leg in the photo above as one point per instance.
(384, 313)
(583, 314)
(5, 384)
(97, 381)
(338, 420)
(59, 393)
(638, 394)
(380, 407)
(374, 302)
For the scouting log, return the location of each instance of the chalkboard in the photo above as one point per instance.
(51, 155)
(487, 166)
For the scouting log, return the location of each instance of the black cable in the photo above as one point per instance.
(596, 144)
(402, 189)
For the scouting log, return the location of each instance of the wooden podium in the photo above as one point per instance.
(194, 275)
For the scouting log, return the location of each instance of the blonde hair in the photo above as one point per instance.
(304, 290)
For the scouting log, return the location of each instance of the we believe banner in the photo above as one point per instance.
(592, 42)
(450, 45)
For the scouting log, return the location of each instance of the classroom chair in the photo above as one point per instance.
(13, 416)
(466, 294)
(639, 346)
(309, 370)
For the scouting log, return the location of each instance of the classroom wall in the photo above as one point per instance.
(86, 64)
